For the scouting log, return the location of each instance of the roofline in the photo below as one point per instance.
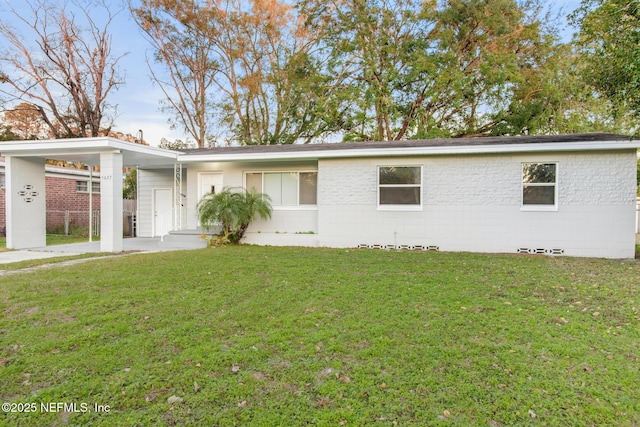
(72, 146)
(403, 151)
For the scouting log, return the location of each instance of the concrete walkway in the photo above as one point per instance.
(135, 244)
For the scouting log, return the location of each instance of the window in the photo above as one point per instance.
(83, 187)
(539, 185)
(285, 188)
(2, 180)
(400, 186)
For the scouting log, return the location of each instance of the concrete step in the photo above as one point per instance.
(182, 241)
(195, 231)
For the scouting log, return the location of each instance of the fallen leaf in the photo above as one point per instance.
(345, 378)
(174, 399)
(196, 387)
(532, 414)
(447, 413)
(235, 368)
(242, 404)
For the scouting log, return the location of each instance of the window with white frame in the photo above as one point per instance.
(400, 186)
(285, 188)
(539, 185)
(83, 187)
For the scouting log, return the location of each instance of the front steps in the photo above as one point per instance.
(182, 240)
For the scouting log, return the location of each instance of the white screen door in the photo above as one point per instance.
(162, 211)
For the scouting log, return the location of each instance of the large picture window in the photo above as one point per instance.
(540, 185)
(285, 188)
(400, 186)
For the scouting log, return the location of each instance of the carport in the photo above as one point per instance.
(25, 183)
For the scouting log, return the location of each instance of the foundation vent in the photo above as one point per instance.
(540, 251)
(399, 247)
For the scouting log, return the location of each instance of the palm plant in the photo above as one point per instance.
(233, 209)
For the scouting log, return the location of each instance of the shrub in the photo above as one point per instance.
(233, 209)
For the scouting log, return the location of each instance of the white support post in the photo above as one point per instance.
(26, 207)
(90, 185)
(111, 202)
(177, 196)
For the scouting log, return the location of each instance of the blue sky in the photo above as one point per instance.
(139, 99)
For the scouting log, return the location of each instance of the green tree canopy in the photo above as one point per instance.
(609, 38)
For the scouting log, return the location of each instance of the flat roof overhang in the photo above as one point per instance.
(88, 150)
(407, 151)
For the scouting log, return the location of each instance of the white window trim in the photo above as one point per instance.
(402, 208)
(540, 208)
(93, 190)
(297, 206)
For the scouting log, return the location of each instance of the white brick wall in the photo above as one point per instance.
(473, 203)
(470, 203)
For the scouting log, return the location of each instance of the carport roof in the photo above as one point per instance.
(88, 150)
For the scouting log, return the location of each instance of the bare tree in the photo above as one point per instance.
(181, 35)
(61, 64)
(246, 63)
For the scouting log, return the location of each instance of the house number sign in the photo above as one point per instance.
(28, 194)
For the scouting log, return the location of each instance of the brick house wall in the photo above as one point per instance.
(63, 195)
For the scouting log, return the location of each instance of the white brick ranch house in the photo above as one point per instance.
(566, 194)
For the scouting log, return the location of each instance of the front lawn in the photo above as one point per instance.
(292, 336)
(54, 239)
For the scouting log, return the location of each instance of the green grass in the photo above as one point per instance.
(21, 265)
(291, 336)
(53, 239)
(56, 239)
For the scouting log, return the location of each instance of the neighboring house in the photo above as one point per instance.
(67, 197)
(558, 195)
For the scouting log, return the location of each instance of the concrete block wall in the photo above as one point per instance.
(473, 203)
(638, 216)
(470, 203)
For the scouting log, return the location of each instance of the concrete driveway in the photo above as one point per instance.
(135, 244)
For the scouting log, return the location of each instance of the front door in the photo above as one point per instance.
(209, 182)
(162, 211)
